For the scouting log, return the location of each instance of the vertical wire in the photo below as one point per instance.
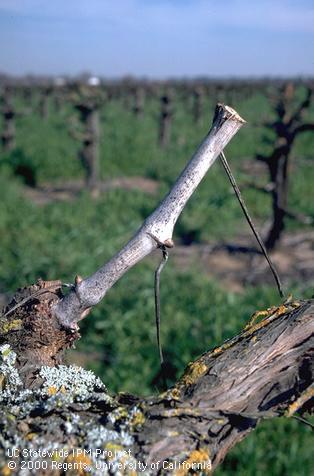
(157, 299)
(251, 224)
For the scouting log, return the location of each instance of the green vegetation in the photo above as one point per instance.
(62, 239)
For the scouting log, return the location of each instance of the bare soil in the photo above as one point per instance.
(68, 191)
(239, 264)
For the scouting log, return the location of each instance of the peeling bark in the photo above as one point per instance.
(264, 372)
(225, 393)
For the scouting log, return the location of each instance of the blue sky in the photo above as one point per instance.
(158, 38)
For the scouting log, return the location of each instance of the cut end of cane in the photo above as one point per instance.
(224, 113)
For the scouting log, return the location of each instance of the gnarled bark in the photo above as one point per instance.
(264, 372)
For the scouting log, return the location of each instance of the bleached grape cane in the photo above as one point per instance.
(157, 230)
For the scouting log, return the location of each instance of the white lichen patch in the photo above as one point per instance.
(98, 436)
(10, 382)
(7, 355)
(114, 455)
(72, 381)
(68, 402)
(72, 423)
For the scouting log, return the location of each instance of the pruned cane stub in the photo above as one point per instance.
(157, 229)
